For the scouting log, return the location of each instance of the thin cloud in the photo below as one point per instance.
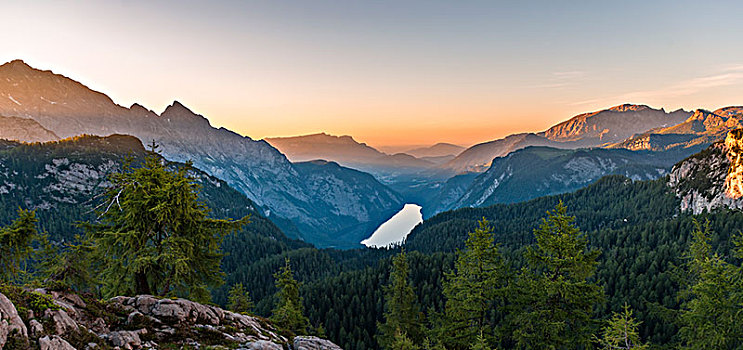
(561, 79)
(727, 76)
(569, 74)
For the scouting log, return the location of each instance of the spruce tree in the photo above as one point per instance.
(289, 311)
(621, 332)
(712, 298)
(472, 291)
(402, 313)
(553, 297)
(15, 245)
(155, 236)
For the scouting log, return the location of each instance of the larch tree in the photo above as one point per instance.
(155, 236)
(621, 332)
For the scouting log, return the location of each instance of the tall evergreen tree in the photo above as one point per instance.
(402, 313)
(473, 290)
(621, 332)
(713, 298)
(155, 236)
(15, 245)
(554, 298)
(289, 312)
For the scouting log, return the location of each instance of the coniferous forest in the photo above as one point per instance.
(611, 266)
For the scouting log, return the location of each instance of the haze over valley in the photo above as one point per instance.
(371, 175)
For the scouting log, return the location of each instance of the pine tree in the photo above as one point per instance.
(15, 245)
(155, 236)
(472, 290)
(713, 297)
(621, 332)
(553, 297)
(289, 312)
(239, 299)
(402, 313)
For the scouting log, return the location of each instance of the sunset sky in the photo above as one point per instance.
(387, 72)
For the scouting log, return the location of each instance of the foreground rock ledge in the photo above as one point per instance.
(141, 322)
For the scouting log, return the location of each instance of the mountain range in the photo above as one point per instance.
(67, 108)
(347, 152)
(333, 191)
(593, 129)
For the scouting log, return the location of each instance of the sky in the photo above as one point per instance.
(387, 72)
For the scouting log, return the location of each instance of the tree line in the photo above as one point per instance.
(551, 302)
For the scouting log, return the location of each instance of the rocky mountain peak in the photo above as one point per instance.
(178, 112)
(16, 65)
(138, 109)
(627, 107)
(613, 125)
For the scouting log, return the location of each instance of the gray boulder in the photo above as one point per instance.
(10, 321)
(62, 321)
(54, 342)
(261, 345)
(314, 343)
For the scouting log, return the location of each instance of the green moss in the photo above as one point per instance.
(25, 300)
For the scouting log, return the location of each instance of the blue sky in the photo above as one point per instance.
(388, 72)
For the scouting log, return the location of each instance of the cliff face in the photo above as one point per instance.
(64, 321)
(712, 178)
(614, 124)
(734, 179)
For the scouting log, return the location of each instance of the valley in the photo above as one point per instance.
(337, 211)
(371, 175)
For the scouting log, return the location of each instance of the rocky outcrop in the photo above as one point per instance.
(734, 179)
(10, 321)
(712, 178)
(314, 343)
(71, 322)
(54, 342)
